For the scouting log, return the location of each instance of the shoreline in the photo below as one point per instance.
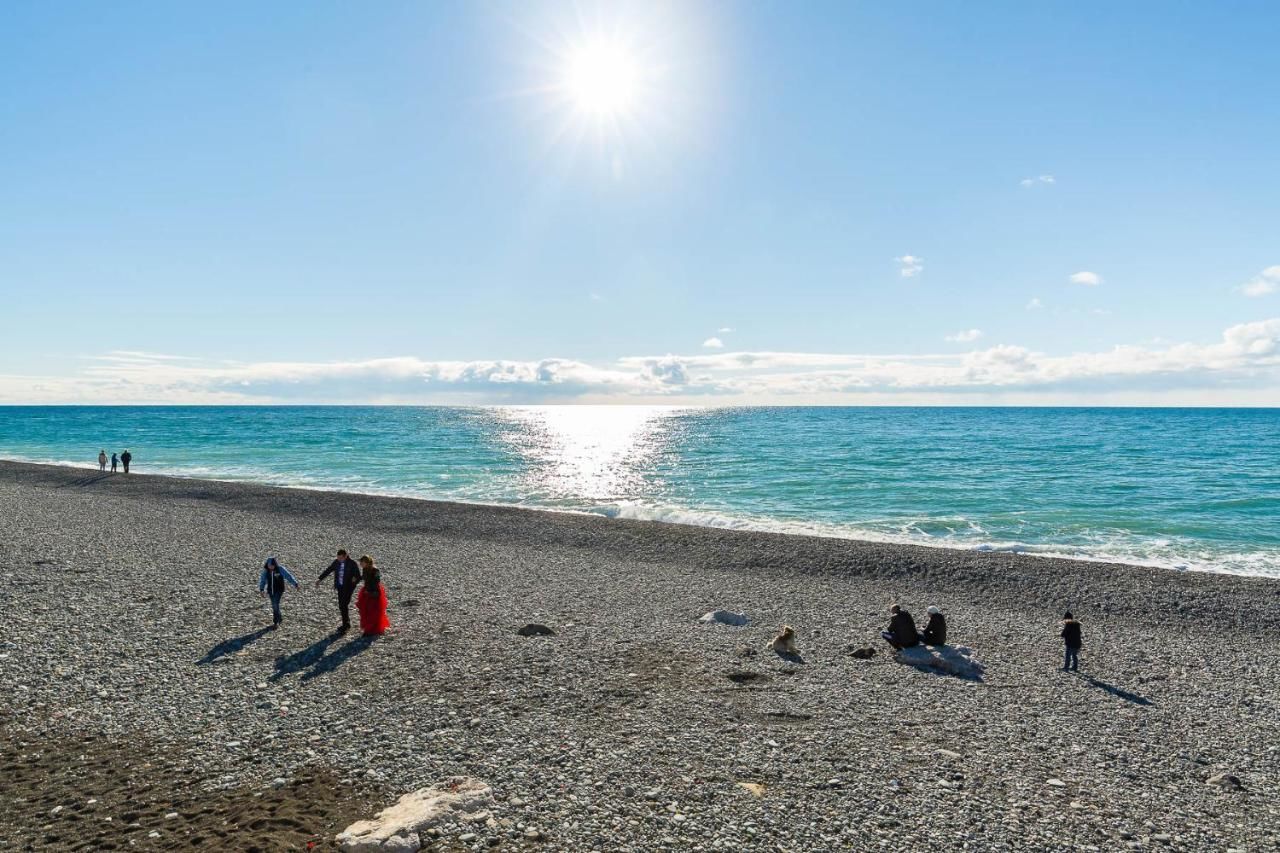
(746, 526)
(135, 634)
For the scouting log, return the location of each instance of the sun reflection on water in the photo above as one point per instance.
(592, 453)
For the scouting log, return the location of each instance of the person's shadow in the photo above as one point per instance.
(298, 661)
(337, 658)
(231, 646)
(1118, 692)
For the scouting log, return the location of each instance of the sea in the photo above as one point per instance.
(1183, 489)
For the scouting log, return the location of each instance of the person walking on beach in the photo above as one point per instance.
(1073, 640)
(371, 601)
(115, 460)
(935, 632)
(102, 460)
(271, 583)
(902, 632)
(125, 459)
(346, 577)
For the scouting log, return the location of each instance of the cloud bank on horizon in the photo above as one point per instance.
(1244, 363)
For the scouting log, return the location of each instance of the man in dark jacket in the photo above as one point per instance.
(346, 577)
(125, 459)
(1072, 639)
(902, 632)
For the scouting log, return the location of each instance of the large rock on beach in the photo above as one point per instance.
(396, 828)
(725, 617)
(947, 660)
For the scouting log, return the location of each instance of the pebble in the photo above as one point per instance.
(589, 734)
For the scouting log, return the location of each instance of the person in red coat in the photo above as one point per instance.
(371, 600)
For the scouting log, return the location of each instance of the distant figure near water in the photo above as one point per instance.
(271, 583)
(371, 600)
(935, 633)
(125, 459)
(115, 460)
(102, 460)
(902, 633)
(1073, 640)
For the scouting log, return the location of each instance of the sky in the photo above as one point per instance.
(691, 203)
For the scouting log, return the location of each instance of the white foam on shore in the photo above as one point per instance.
(1134, 552)
(1251, 563)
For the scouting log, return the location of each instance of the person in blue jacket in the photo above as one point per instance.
(271, 583)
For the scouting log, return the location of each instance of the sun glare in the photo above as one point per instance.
(602, 78)
(615, 85)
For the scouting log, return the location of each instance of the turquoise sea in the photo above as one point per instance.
(1191, 489)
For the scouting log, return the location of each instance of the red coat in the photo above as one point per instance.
(372, 609)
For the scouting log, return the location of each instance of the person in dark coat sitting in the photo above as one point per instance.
(902, 632)
(935, 633)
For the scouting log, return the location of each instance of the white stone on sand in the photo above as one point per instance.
(397, 827)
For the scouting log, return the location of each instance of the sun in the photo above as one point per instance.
(603, 79)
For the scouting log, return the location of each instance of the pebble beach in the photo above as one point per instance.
(148, 706)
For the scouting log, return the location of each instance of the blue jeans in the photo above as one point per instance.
(1072, 660)
(275, 609)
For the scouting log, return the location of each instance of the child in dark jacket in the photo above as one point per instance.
(1072, 639)
(271, 584)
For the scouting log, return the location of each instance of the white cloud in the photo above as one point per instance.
(724, 330)
(1245, 361)
(1035, 304)
(1037, 180)
(1088, 279)
(1264, 283)
(910, 266)
(713, 343)
(967, 336)
(596, 297)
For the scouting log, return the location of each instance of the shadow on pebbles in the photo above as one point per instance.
(90, 793)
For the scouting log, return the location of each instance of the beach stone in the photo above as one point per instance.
(534, 629)
(724, 617)
(948, 660)
(864, 653)
(397, 827)
(1225, 780)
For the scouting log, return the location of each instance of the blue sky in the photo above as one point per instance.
(402, 202)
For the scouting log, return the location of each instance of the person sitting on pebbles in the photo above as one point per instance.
(935, 633)
(902, 632)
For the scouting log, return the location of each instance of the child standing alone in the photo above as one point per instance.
(271, 583)
(1072, 640)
